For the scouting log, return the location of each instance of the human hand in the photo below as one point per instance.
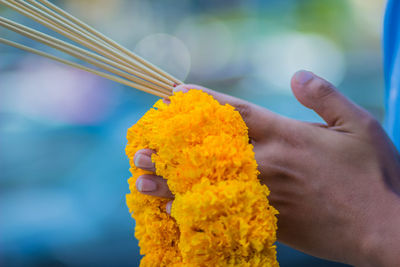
(336, 185)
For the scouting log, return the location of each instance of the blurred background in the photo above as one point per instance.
(63, 169)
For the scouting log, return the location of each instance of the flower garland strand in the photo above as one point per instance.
(221, 215)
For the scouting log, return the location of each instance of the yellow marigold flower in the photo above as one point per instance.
(221, 215)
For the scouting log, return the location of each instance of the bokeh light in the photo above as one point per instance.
(210, 44)
(44, 90)
(174, 57)
(278, 57)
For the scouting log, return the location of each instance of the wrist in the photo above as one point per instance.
(381, 243)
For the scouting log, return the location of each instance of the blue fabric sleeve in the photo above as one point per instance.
(391, 43)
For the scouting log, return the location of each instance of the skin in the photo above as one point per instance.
(336, 185)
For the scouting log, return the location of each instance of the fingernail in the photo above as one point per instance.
(168, 207)
(143, 161)
(181, 88)
(145, 185)
(303, 77)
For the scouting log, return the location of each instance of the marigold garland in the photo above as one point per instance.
(221, 215)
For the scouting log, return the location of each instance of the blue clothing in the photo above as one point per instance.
(391, 50)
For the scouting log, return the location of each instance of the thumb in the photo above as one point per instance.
(322, 97)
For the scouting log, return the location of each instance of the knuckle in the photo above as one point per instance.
(163, 187)
(370, 124)
(244, 109)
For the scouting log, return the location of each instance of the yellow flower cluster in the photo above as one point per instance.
(221, 215)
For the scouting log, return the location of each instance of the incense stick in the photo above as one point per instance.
(59, 27)
(78, 66)
(82, 54)
(111, 42)
(125, 66)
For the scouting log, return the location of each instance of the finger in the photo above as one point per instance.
(168, 207)
(322, 97)
(260, 121)
(142, 160)
(153, 185)
(166, 101)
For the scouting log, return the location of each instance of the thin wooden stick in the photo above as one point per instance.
(109, 55)
(58, 21)
(43, 16)
(54, 24)
(78, 66)
(80, 33)
(82, 51)
(66, 21)
(65, 32)
(74, 51)
(109, 41)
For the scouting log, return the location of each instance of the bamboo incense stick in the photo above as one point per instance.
(78, 66)
(78, 52)
(75, 51)
(100, 51)
(63, 29)
(111, 42)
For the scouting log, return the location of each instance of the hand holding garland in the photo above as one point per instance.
(336, 185)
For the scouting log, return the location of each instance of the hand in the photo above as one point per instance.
(336, 185)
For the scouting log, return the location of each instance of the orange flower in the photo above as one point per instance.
(221, 215)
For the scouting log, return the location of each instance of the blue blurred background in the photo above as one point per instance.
(63, 169)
